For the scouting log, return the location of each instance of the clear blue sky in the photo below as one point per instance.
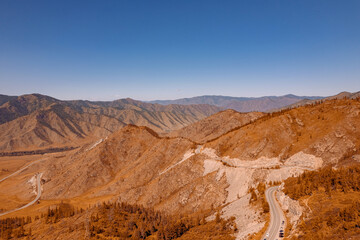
(103, 50)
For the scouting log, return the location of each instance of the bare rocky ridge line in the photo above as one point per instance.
(241, 104)
(33, 121)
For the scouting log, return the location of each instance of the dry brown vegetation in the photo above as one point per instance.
(325, 129)
(334, 202)
(215, 125)
(328, 179)
(137, 166)
(118, 221)
(31, 122)
(258, 196)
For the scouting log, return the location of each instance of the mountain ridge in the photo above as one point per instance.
(38, 121)
(241, 104)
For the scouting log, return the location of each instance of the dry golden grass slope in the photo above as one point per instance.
(328, 130)
(135, 165)
(56, 125)
(331, 198)
(36, 121)
(215, 125)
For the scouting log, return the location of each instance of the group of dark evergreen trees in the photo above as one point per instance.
(121, 221)
(328, 179)
(124, 221)
(14, 227)
(340, 188)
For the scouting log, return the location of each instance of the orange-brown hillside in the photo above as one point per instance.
(332, 198)
(35, 121)
(215, 125)
(56, 125)
(135, 165)
(329, 130)
(115, 221)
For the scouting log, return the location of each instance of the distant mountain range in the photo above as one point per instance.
(308, 101)
(241, 104)
(36, 121)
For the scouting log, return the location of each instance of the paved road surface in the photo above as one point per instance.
(33, 201)
(21, 169)
(276, 216)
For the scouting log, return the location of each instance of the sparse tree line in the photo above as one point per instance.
(335, 221)
(327, 179)
(122, 221)
(283, 111)
(258, 194)
(37, 152)
(14, 227)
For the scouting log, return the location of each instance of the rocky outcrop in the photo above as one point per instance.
(291, 208)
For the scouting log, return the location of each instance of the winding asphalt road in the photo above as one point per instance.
(20, 170)
(276, 216)
(38, 181)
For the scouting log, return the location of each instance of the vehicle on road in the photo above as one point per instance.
(277, 217)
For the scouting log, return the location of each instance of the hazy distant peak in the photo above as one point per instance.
(240, 104)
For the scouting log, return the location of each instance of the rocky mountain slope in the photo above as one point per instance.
(138, 162)
(215, 125)
(241, 104)
(328, 130)
(331, 200)
(304, 102)
(177, 175)
(135, 165)
(37, 121)
(5, 98)
(174, 174)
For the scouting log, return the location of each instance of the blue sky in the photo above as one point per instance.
(104, 50)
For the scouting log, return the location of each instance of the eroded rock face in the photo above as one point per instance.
(291, 208)
(248, 219)
(243, 174)
(240, 175)
(304, 160)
